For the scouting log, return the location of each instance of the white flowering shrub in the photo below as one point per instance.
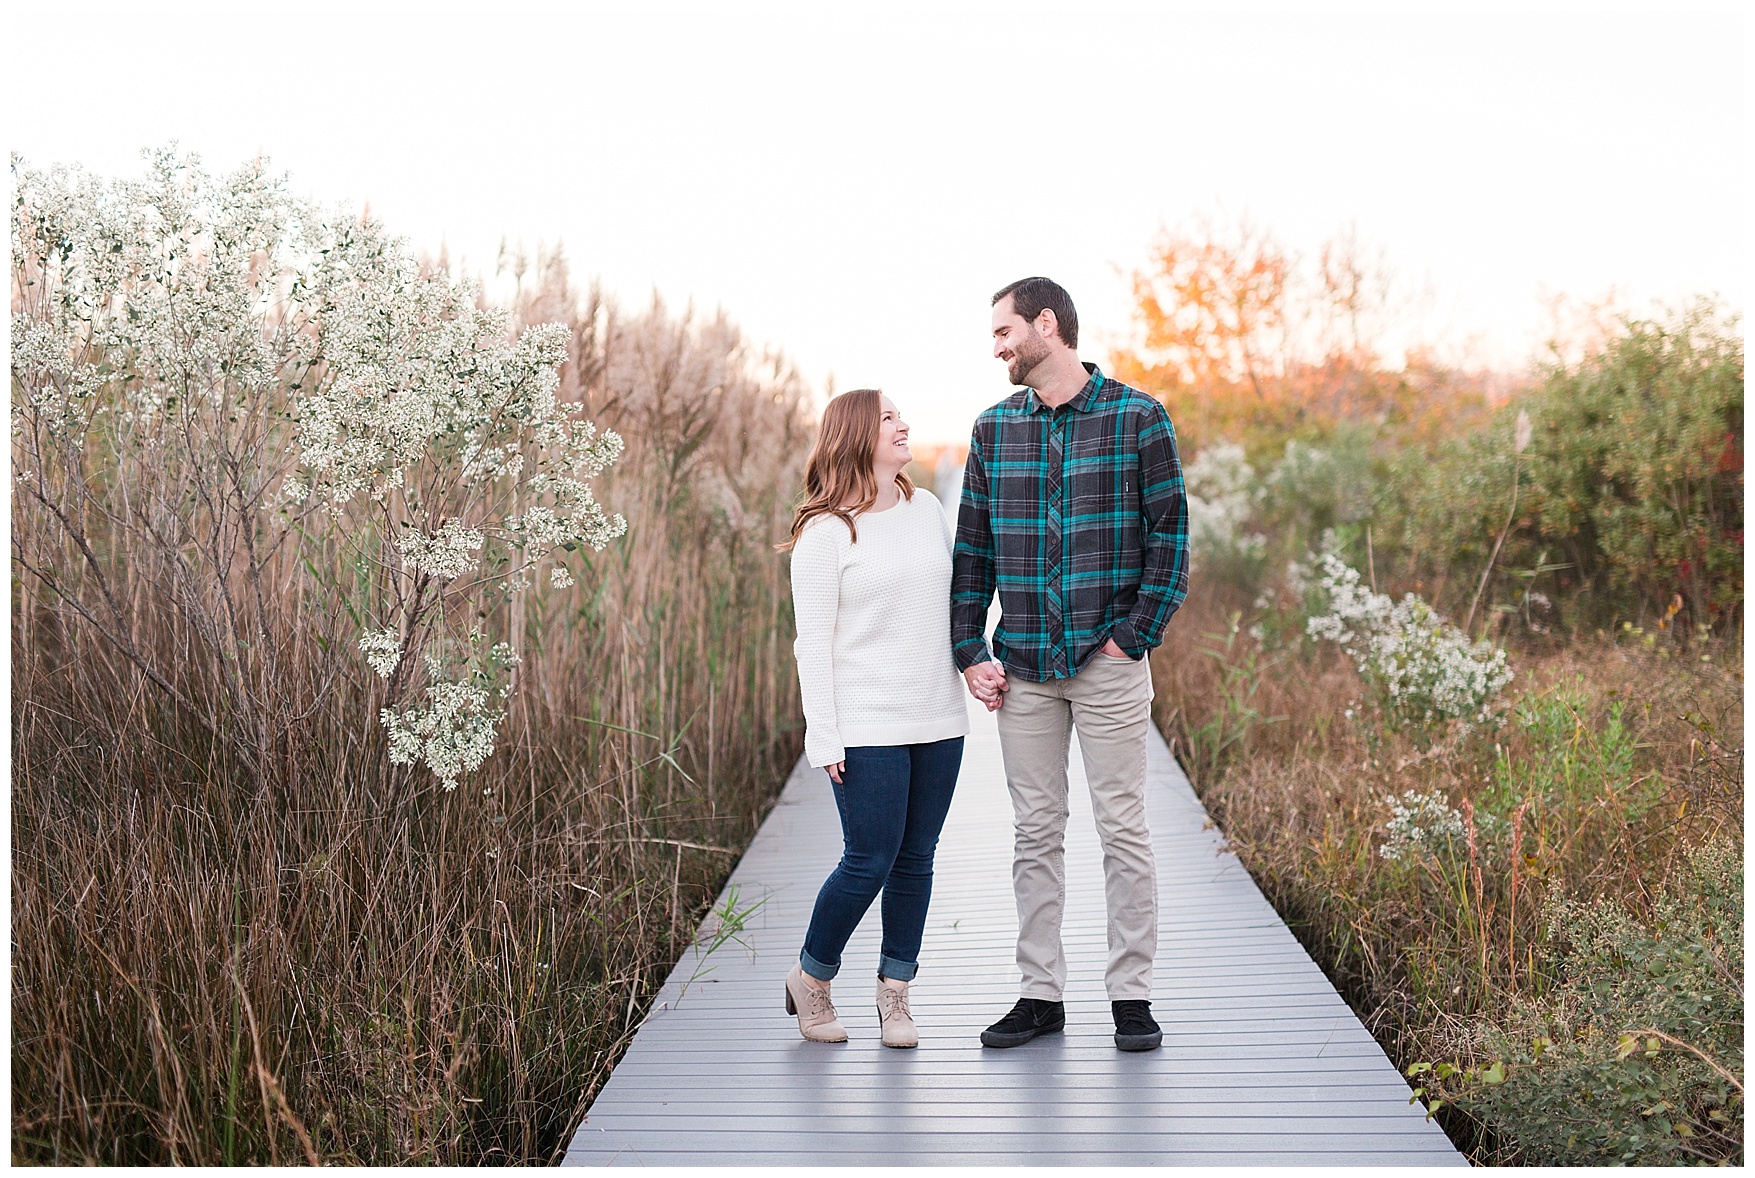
(1303, 470)
(235, 408)
(1313, 488)
(383, 650)
(1425, 670)
(1222, 494)
(452, 732)
(445, 555)
(1418, 822)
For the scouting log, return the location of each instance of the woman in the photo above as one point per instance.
(883, 703)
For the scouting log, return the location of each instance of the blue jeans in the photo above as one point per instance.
(893, 800)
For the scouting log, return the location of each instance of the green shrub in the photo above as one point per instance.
(1568, 763)
(1635, 1056)
(1331, 482)
(1630, 491)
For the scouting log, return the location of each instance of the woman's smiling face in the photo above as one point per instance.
(892, 443)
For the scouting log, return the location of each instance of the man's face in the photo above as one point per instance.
(1017, 342)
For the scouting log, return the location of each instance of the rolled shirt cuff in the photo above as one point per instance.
(1128, 639)
(971, 652)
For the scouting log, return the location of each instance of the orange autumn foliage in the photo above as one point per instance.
(1242, 344)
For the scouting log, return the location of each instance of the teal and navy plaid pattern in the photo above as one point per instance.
(1078, 516)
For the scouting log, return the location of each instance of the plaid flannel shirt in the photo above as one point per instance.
(1078, 516)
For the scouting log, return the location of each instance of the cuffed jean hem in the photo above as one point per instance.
(893, 968)
(897, 971)
(816, 969)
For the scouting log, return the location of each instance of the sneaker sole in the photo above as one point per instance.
(1139, 1042)
(992, 1038)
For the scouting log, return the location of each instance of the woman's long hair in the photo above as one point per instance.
(839, 478)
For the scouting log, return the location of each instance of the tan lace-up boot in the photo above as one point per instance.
(808, 998)
(893, 1013)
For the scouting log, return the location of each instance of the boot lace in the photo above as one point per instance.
(893, 1002)
(822, 1010)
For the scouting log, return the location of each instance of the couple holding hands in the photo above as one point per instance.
(1073, 508)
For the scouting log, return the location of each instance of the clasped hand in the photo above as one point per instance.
(987, 683)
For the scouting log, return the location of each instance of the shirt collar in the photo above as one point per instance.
(1081, 402)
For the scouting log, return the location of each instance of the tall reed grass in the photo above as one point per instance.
(240, 934)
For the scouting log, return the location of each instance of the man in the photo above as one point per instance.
(1074, 508)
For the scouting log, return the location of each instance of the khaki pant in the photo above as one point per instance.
(1110, 704)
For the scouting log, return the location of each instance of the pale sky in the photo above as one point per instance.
(852, 185)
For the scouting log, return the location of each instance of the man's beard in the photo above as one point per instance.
(1027, 356)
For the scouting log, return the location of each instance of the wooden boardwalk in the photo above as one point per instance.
(1262, 1061)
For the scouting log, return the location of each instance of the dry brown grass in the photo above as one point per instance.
(335, 961)
(1419, 952)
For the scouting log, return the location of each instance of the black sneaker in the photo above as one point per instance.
(1023, 1022)
(1135, 1028)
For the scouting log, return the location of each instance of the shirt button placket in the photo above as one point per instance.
(1055, 539)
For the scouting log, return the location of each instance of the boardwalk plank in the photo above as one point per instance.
(1262, 1063)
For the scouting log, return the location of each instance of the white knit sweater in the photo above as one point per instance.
(874, 631)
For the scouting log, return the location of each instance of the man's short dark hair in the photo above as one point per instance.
(1030, 296)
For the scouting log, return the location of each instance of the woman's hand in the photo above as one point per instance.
(987, 683)
(835, 771)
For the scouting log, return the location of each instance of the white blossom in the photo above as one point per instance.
(576, 518)
(1427, 669)
(1418, 822)
(397, 403)
(560, 577)
(447, 554)
(383, 650)
(1222, 495)
(453, 734)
